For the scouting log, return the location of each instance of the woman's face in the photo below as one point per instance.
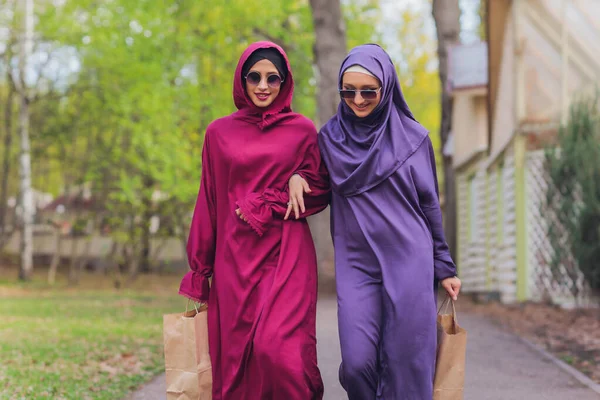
(357, 81)
(262, 84)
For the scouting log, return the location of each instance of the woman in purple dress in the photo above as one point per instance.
(386, 225)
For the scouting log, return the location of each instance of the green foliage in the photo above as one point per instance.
(151, 77)
(140, 81)
(360, 18)
(482, 14)
(419, 76)
(574, 193)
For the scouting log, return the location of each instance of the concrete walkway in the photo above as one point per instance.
(499, 365)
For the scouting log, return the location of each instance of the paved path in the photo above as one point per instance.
(499, 365)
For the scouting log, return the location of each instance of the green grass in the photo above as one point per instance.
(568, 359)
(87, 342)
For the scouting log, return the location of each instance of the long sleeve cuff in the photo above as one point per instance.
(256, 210)
(443, 269)
(195, 286)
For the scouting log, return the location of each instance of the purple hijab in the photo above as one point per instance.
(362, 152)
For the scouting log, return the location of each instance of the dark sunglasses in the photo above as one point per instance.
(273, 81)
(367, 94)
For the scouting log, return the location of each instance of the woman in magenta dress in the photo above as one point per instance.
(263, 293)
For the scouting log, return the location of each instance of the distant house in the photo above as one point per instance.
(510, 95)
(80, 205)
(71, 209)
(13, 211)
(70, 203)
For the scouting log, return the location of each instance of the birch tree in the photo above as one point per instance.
(26, 192)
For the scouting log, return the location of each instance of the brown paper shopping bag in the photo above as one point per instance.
(187, 362)
(450, 365)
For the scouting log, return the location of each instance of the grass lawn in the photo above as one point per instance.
(86, 342)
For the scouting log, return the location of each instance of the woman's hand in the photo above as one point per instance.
(242, 216)
(452, 286)
(298, 186)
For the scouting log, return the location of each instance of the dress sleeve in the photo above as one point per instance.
(427, 187)
(201, 240)
(261, 208)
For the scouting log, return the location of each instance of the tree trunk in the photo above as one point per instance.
(144, 261)
(181, 230)
(26, 197)
(446, 14)
(450, 227)
(161, 243)
(73, 260)
(329, 52)
(133, 263)
(84, 257)
(113, 265)
(56, 257)
(6, 234)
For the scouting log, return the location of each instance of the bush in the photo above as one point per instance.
(574, 193)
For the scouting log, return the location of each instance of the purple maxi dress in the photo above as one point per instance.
(386, 225)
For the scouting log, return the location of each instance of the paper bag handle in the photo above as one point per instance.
(195, 306)
(447, 300)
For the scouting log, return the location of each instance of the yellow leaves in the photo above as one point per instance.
(417, 71)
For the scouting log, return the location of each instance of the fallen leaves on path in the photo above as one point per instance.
(573, 335)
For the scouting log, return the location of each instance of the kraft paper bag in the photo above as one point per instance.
(449, 379)
(187, 361)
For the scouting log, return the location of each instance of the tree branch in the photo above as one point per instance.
(271, 38)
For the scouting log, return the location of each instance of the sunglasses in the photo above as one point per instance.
(254, 78)
(367, 94)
